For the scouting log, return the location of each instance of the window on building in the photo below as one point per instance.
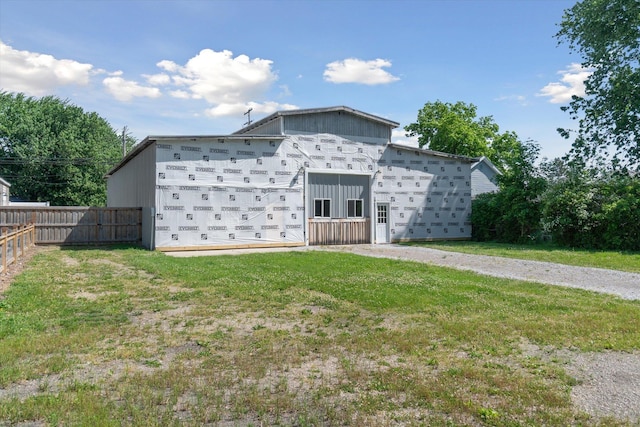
(354, 208)
(322, 208)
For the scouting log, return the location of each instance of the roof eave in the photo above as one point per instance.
(488, 162)
(433, 153)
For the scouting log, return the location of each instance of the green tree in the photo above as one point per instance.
(53, 151)
(606, 33)
(456, 129)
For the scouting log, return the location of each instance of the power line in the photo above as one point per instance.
(54, 161)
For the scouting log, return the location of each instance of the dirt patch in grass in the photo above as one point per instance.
(86, 295)
(6, 277)
(70, 262)
(122, 269)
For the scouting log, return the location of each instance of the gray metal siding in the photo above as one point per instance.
(324, 186)
(271, 128)
(134, 185)
(4, 194)
(338, 188)
(483, 180)
(354, 187)
(337, 123)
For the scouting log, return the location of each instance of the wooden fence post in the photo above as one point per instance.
(21, 239)
(14, 249)
(3, 232)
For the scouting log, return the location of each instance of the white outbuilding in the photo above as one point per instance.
(5, 192)
(484, 177)
(304, 177)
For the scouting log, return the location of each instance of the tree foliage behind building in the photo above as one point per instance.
(51, 150)
(606, 33)
(456, 129)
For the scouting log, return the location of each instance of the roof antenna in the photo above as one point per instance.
(124, 141)
(248, 114)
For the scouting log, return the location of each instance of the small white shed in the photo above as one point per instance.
(5, 192)
(484, 177)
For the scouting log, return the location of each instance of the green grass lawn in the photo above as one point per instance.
(623, 261)
(122, 336)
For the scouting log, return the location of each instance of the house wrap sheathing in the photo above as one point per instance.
(321, 176)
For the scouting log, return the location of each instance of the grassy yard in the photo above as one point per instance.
(623, 261)
(122, 336)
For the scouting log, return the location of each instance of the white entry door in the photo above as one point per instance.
(382, 223)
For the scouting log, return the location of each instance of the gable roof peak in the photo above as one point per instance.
(339, 108)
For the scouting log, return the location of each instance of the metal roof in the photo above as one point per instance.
(341, 108)
(486, 161)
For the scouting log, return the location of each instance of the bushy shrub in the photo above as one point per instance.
(509, 216)
(484, 214)
(601, 213)
(570, 214)
(621, 215)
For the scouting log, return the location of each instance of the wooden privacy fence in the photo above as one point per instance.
(339, 231)
(14, 243)
(73, 225)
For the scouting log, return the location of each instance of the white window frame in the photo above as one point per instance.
(382, 214)
(355, 208)
(325, 210)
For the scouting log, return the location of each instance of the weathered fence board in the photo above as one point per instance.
(77, 225)
(339, 231)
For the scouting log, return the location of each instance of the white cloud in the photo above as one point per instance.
(37, 74)
(219, 78)
(398, 136)
(571, 83)
(241, 108)
(181, 94)
(519, 99)
(160, 79)
(285, 91)
(126, 90)
(169, 66)
(354, 70)
(230, 84)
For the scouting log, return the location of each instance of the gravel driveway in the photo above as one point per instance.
(624, 285)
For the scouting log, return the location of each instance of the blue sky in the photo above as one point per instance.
(193, 67)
